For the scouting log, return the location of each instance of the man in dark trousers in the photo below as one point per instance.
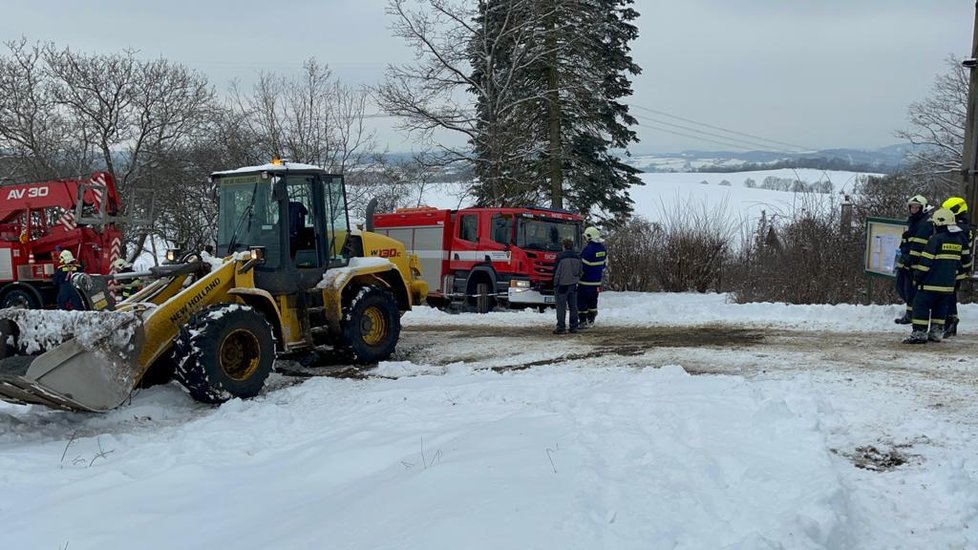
(935, 276)
(914, 239)
(959, 208)
(595, 259)
(68, 297)
(567, 273)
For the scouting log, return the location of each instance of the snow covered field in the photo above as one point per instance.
(680, 421)
(726, 193)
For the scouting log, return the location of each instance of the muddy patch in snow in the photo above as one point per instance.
(883, 457)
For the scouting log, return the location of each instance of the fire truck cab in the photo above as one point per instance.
(38, 220)
(485, 257)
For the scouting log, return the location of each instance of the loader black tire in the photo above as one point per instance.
(224, 351)
(8, 338)
(371, 325)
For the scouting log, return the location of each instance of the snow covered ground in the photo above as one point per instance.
(680, 421)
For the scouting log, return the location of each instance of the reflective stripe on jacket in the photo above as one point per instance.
(939, 262)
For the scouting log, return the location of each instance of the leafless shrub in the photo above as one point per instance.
(695, 244)
(809, 256)
(633, 246)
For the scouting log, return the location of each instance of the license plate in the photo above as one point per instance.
(548, 299)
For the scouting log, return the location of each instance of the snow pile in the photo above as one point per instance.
(338, 276)
(692, 309)
(41, 330)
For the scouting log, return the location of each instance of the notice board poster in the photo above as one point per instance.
(883, 245)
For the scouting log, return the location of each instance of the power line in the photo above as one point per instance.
(727, 144)
(752, 144)
(662, 113)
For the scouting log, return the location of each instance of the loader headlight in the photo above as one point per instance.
(258, 254)
(172, 255)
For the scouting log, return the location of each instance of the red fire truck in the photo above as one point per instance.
(38, 220)
(484, 257)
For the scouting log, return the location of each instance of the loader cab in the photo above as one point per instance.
(297, 212)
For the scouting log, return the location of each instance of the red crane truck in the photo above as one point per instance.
(38, 220)
(484, 257)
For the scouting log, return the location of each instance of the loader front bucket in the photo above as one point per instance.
(75, 360)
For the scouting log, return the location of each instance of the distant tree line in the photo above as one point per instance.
(794, 185)
(817, 163)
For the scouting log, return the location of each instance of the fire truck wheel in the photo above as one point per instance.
(21, 298)
(224, 351)
(483, 301)
(371, 325)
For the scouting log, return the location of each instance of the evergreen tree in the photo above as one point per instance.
(558, 136)
(500, 52)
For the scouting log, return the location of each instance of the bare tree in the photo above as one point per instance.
(429, 94)
(440, 91)
(36, 137)
(937, 125)
(66, 113)
(312, 118)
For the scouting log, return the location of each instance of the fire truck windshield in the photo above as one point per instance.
(546, 234)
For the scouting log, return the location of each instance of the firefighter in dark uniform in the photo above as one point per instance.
(594, 256)
(68, 297)
(959, 208)
(935, 275)
(914, 239)
(122, 289)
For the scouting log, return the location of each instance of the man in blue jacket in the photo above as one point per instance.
(595, 259)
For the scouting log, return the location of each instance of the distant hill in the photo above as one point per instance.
(885, 160)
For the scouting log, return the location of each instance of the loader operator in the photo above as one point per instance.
(68, 297)
(297, 223)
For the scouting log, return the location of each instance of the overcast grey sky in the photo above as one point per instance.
(819, 73)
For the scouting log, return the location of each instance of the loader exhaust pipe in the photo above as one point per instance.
(369, 222)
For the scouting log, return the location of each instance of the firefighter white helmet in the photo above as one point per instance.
(120, 264)
(942, 217)
(919, 200)
(66, 257)
(592, 234)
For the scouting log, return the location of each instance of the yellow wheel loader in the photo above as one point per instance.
(292, 277)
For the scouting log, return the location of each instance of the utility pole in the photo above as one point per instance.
(969, 157)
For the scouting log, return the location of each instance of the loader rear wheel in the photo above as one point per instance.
(224, 351)
(371, 325)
